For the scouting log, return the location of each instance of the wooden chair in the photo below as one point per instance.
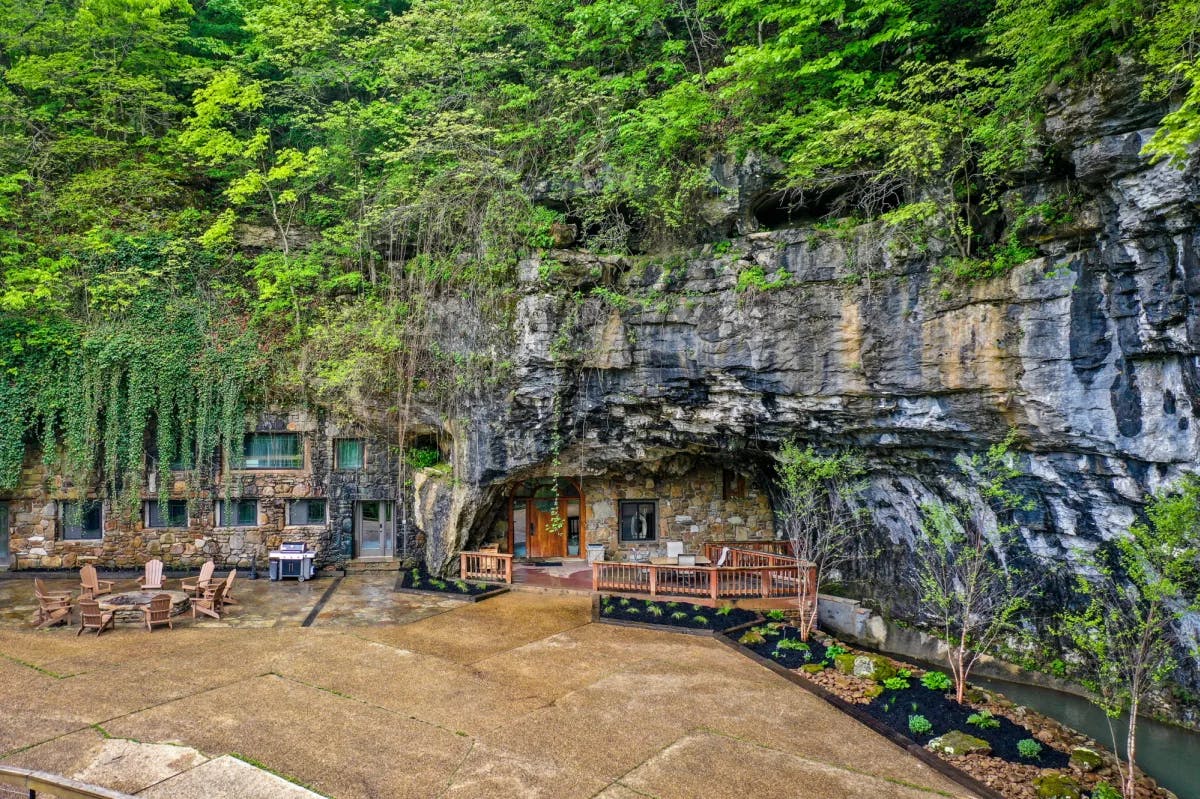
(54, 607)
(158, 612)
(210, 604)
(490, 549)
(228, 599)
(152, 578)
(90, 586)
(198, 585)
(92, 618)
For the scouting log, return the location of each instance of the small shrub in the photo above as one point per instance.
(606, 609)
(983, 720)
(462, 586)
(833, 651)
(481, 586)
(896, 683)
(700, 619)
(725, 611)
(633, 611)
(438, 584)
(624, 602)
(654, 610)
(679, 615)
(1105, 791)
(776, 615)
(1029, 749)
(672, 604)
(792, 643)
(937, 681)
(918, 724)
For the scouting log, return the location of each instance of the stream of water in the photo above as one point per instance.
(1169, 754)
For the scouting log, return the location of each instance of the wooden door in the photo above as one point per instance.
(544, 542)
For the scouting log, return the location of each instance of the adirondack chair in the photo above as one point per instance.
(90, 586)
(158, 612)
(196, 586)
(228, 599)
(210, 604)
(152, 578)
(54, 607)
(92, 618)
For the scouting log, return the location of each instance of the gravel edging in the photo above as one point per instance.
(666, 628)
(913, 748)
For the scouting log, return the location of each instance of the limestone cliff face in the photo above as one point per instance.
(1089, 351)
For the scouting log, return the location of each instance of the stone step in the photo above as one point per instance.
(361, 566)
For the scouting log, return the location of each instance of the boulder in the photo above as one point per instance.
(1057, 786)
(873, 667)
(845, 663)
(751, 637)
(1085, 760)
(960, 743)
(813, 668)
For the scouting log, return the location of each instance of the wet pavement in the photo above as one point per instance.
(396, 695)
(360, 599)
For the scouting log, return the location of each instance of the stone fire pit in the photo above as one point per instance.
(128, 605)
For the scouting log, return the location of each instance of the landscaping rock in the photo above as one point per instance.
(870, 667)
(750, 637)
(960, 743)
(813, 668)
(873, 691)
(1057, 786)
(1085, 760)
(845, 663)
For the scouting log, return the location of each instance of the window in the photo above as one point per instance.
(237, 513)
(306, 511)
(82, 521)
(172, 513)
(272, 451)
(733, 485)
(348, 453)
(639, 520)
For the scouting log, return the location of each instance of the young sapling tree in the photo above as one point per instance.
(965, 590)
(815, 513)
(1135, 591)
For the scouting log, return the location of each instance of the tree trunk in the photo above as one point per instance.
(1130, 785)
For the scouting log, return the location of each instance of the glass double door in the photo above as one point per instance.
(539, 532)
(374, 529)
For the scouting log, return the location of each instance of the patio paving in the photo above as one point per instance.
(396, 695)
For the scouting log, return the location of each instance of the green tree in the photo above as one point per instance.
(1135, 593)
(970, 596)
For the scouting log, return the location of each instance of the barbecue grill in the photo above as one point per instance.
(292, 559)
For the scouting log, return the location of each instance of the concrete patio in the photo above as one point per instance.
(390, 695)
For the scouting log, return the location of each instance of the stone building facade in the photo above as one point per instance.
(310, 479)
(695, 503)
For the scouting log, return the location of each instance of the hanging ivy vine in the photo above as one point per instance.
(164, 380)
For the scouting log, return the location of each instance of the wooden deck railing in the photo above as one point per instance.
(746, 557)
(37, 783)
(711, 582)
(774, 545)
(492, 566)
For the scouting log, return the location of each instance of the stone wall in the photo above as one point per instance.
(36, 525)
(691, 507)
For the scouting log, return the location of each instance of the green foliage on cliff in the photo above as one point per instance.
(309, 173)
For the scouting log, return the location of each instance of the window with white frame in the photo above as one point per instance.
(237, 513)
(82, 521)
(272, 451)
(306, 512)
(172, 513)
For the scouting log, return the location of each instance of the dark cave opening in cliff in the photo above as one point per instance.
(789, 208)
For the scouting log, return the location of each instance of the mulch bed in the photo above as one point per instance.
(665, 613)
(1004, 770)
(419, 581)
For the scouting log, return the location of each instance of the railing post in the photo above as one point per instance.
(712, 583)
(508, 570)
(768, 579)
(595, 576)
(653, 580)
(462, 565)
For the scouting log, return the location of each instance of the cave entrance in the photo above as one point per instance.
(545, 519)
